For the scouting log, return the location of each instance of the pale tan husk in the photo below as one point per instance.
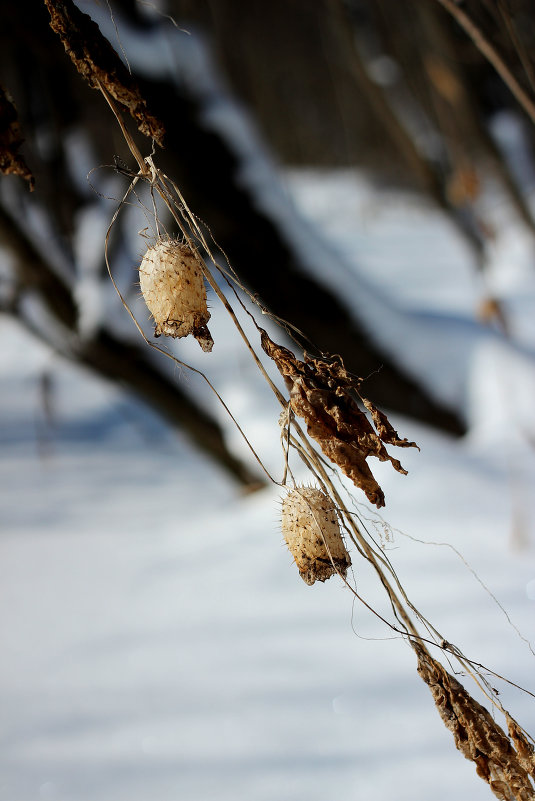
(312, 533)
(172, 284)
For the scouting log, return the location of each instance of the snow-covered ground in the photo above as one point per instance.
(157, 641)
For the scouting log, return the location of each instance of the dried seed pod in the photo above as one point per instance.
(172, 284)
(312, 533)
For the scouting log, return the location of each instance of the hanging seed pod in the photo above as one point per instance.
(312, 533)
(172, 284)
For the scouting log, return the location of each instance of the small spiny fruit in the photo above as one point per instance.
(172, 284)
(312, 533)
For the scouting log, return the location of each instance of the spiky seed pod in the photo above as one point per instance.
(312, 533)
(172, 285)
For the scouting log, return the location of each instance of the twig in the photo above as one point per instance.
(517, 43)
(491, 54)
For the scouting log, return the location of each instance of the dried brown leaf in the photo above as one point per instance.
(386, 431)
(321, 393)
(96, 60)
(477, 736)
(525, 749)
(11, 162)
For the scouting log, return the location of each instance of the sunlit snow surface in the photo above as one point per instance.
(157, 641)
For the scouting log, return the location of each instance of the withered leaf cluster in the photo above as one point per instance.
(325, 396)
(478, 737)
(524, 748)
(98, 63)
(11, 162)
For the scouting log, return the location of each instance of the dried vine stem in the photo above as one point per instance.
(314, 463)
(491, 54)
(517, 42)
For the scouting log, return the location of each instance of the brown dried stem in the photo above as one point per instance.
(519, 46)
(491, 54)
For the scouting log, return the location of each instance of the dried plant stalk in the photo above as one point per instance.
(491, 54)
(172, 284)
(477, 736)
(312, 533)
(320, 393)
(11, 162)
(99, 64)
